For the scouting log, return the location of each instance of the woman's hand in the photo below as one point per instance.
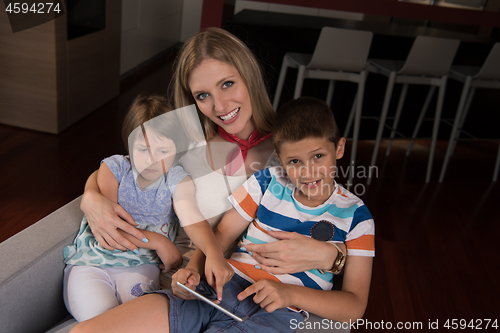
(104, 217)
(293, 253)
(187, 277)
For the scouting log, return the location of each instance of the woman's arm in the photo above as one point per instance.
(293, 253)
(105, 216)
(344, 305)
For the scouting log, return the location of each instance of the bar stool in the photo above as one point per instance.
(473, 77)
(428, 63)
(339, 55)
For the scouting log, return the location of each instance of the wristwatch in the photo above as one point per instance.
(339, 262)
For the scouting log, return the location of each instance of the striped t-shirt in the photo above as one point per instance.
(267, 200)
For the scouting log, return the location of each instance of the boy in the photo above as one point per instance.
(301, 196)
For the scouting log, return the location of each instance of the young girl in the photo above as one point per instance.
(146, 184)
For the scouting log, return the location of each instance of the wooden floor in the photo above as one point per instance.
(436, 253)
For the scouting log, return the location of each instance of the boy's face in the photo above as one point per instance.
(311, 165)
(153, 156)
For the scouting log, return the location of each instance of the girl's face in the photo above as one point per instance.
(153, 156)
(222, 96)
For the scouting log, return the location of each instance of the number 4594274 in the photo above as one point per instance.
(480, 324)
(36, 8)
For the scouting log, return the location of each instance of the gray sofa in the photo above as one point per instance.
(32, 271)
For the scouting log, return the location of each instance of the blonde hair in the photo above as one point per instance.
(218, 44)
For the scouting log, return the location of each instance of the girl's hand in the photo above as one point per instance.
(293, 253)
(217, 272)
(270, 295)
(170, 256)
(187, 277)
(105, 217)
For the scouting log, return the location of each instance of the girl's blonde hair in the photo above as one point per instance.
(218, 44)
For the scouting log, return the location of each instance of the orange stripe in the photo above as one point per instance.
(245, 201)
(240, 194)
(255, 224)
(365, 242)
(252, 272)
(342, 194)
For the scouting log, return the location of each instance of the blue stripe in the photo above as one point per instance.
(361, 214)
(279, 191)
(307, 281)
(342, 213)
(340, 235)
(285, 223)
(253, 240)
(328, 277)
(263, 177)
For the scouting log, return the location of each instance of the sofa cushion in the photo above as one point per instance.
(65, 326)
(32, 272)
(31, 277)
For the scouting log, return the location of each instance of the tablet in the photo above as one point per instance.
(206, 300)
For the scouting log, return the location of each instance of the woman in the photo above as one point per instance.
(220, 74)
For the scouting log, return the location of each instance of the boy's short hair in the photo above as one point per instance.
(302, 118)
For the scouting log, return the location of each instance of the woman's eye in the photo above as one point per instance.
(227, 84)
(202, 96)
(164, 152)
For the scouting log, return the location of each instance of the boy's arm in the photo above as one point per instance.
(228, 230)
(344, 305)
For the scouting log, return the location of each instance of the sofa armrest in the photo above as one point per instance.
(31, 274)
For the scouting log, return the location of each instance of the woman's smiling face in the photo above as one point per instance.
(222, 96)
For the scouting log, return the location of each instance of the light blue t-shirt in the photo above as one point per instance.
(150, 207)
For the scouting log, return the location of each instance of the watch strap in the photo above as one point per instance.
(339, 262)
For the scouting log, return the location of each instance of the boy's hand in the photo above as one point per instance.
(217, 272)
(271, 295)
(187, 277)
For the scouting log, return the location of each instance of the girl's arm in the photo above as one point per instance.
(228, 231)
(194, 223)
(344, 305)
(104, 215)
(217, 270)
(168, 253)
